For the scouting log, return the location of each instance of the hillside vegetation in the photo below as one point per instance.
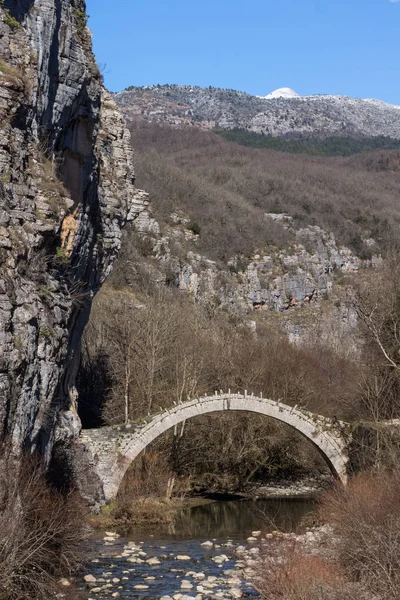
(328, 146)
(226, 189)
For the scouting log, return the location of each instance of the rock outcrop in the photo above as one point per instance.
(274, 279)
(66, 191)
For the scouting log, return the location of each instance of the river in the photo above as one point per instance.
(172, 560)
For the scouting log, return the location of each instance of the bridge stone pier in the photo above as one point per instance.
(114, 448)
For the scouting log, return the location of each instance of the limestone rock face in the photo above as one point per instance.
(66, 191)
(271, 280)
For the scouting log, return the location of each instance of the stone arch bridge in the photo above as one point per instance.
(114, 448)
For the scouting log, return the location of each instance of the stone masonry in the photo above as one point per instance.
(114, 448)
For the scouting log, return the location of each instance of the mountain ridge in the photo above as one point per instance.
(288, 115)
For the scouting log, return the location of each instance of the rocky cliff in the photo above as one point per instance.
(66, 191)
(295, 281)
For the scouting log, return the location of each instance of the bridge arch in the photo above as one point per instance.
(324, 433)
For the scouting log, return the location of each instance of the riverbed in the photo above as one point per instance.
(196, 557)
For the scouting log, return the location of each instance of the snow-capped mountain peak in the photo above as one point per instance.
(281, 93)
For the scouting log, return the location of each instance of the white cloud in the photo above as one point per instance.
(394, 1)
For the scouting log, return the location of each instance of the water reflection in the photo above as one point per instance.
(236, 518)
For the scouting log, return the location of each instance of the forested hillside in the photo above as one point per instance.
(326, 146)
(227, 189)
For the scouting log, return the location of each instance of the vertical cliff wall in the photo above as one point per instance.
(66, 191)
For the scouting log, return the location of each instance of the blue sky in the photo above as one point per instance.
(349, 47)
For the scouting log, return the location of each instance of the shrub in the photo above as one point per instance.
(194, 227)
(294, 575)
(366, 520)
(45, 292)
(62, 256)
(145, 245)
(10, 20)
(41, 532)
(81, 21)
(148, 477)
(52, 187)
(363, 560)
(170, 277)
(6, 177)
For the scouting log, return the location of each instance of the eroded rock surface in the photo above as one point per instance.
(66, 191)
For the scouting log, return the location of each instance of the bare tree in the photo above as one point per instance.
(377, 303)
(156, 335)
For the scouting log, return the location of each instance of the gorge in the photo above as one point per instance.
(130, 293)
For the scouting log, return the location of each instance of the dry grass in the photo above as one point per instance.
(142, 512)
(10, 71)
(52, 187)
(145, 495)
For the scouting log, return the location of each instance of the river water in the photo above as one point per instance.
(122, 567)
